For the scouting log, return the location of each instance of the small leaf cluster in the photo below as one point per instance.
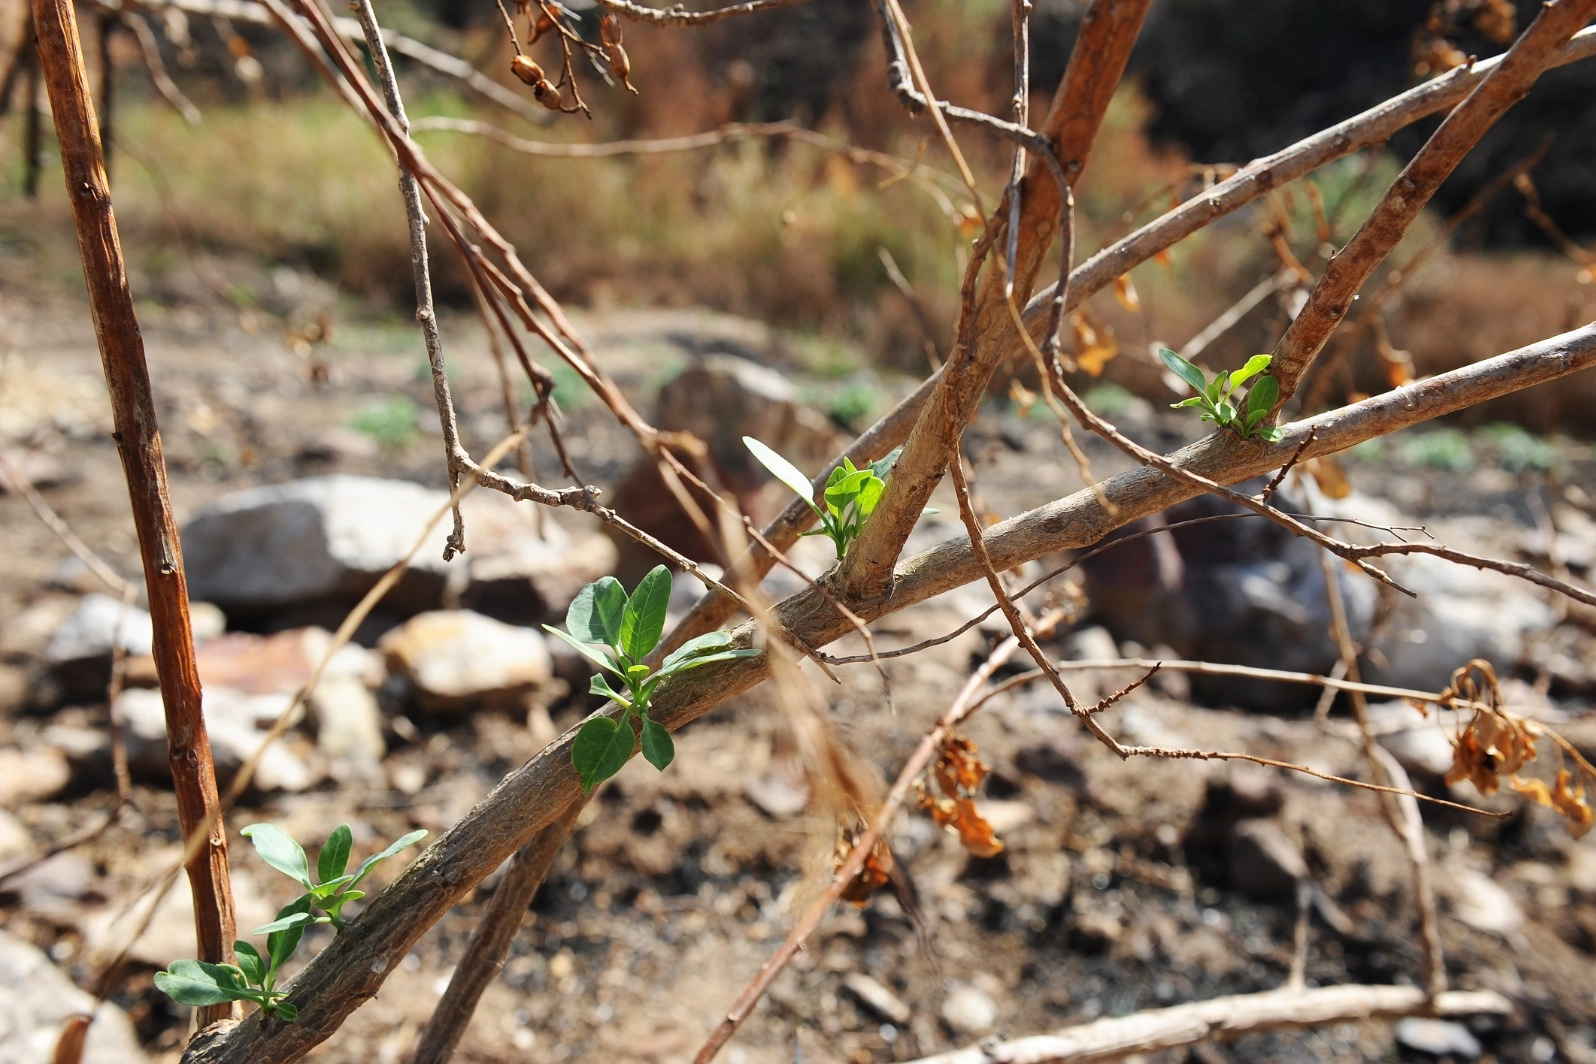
(616, 631)
(1217, 397)
(254, 977)
(851, 493)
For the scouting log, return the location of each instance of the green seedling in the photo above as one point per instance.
(616, 631)
(1217, 397)
(254, 977)
(851, 493)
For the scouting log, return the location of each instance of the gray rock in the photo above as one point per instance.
(236, 724)
(457, 660)
(40, 998)
(1264, 863)
(16, 843)
(319, 540)
(56, 888)
(348, 722)
(25, 634)
(1437, 1038)
(969, 1011)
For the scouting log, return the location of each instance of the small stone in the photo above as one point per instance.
(1437, 1038)
(777, 796)
(100, 623)
(32, 775)
(1424, 750)
(877, 998)
(1478, 901)
(348, 721)
(969, 1011)
(1264, 863)
(457, 660)
(40, 998)
(16, 844)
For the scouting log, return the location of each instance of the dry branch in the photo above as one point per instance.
(1222, 1018)
(353, 968)
(678, 15)
(1332, 297)
(138, 442)
(986, 335)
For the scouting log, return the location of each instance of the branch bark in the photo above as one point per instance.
(1508, 83)
(138, 442)
(1108, 30)
(1222, 1018)
(351, 970)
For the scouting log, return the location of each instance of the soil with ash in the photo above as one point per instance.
(1122, 885)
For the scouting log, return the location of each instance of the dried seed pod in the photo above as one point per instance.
(610, 28)
(547, 95)
(541, 25)
(528, 71)
(621, 66)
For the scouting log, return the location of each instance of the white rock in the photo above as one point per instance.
(877, 998)
(323, 539)
(31, 775)
(39, 998)
(1478, 901)
(456, 660)
(969, 1011)
(98, 625)
(15, 841)
(1437, 1038)
(348, 721)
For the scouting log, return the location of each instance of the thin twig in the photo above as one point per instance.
(139, 442)
(165, 87)
(678, 15)
(17, 480)
(1223, 1018)
(421, 270)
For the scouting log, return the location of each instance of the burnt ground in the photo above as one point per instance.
(1120, 887)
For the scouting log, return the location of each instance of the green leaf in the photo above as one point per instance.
(279, 850)
(285, 1011)
(601, 749)
(882, 467)
(600, 685)
(1271, 434)
(702, 644)
(191, 982)
(869, 495)
(1263, 395)
(1195, 400)
(1183, 369)
(843, 491)
(1224, 413)
(1216, 387)
(595, 613)
(657, 745)
(250, 962)
(586, 650)
(1255, 365)
(334, 855)
(782, 470)
(644, 620)
(280, 945)
(707, 659)
(283, 923)
(327, 889)
(394, 847)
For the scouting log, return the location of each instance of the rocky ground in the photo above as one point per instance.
(1122, 886)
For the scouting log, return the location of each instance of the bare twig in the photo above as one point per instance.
(1533, 53)
(490, 942)
(678, 15)
(139, 442)
(1223, 1018)
(150, 49)
(17, 480)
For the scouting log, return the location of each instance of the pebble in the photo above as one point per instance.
(1478, 901)
(969, 1011)
(1437, 1038)
(458, 661)
(32, 775)
(39, 999)
(878, 998)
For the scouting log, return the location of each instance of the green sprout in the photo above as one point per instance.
(254, 977)
(851, 493)
(628, 628)
(1217, 397)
